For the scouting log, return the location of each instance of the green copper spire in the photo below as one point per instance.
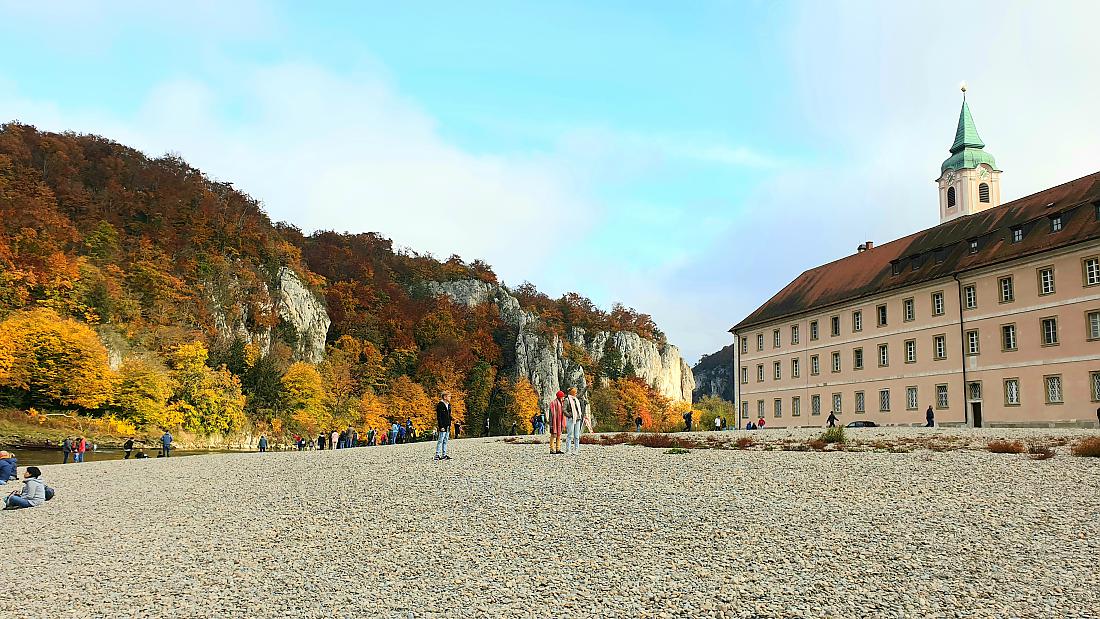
(966, 151)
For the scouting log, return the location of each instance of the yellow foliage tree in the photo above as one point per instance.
(54, 360)
(206, 401)
(407, 400)
(632, 401)
(304, 397)
(143, 391)
(372, 413)
(520, 403)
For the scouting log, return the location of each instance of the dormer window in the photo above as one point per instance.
(983, 193)
(895, 267)
(941, 255)
(1017, 234)
(950, 197)
(1055, 223)
(973, 246)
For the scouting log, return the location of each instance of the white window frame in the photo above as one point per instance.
(1046, 281)
(970, 296)
(1006, 289)
(910, 351)
(909, 310)
(815, 365)
(777, 370)
(796, 406)
(1091, 266)
(857, 359)
(973, 342)
(1048, 331)
(943, 397)
(1008, 331)
(1055, 389)
(939, 346)
(883, 355)
(1092, 325)
(794, 334)
(777, 339)
(912, 402)
(884, 401)
(836, 361)
(857, 320)
(796, 367)
(838, 403)
(938, 306)
(1012, 391)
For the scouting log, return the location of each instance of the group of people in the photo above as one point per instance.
(568, 413)
(34, 491)
(76, 447)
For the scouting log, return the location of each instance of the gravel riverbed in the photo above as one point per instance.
(507, 530)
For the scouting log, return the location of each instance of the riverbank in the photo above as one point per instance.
(505, 529)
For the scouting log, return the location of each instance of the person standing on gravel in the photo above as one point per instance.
(66, 450)
(263, 443)
(557, 422)
(165, 443)
(128, 448)
(574, 422)
(930, 417)
(832, 419)
(443, 426)
(687, 421)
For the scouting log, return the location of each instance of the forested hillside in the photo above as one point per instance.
(139, 289)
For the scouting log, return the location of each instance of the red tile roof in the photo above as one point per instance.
(944, 250)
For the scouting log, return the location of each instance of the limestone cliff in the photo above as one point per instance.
(542, 359)
(714, 375)
(302, 319)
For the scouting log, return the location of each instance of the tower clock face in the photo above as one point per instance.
(983, 173)
(949, 177)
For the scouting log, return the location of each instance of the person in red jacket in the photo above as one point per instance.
(557, 423)
(81, 447)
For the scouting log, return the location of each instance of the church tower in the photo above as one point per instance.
(969, 180)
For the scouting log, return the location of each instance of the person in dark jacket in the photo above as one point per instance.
(832, 419)
(930, 417)
(263, 443)
(66, 450)
(127, 448)
(410, 432)
(166, 444)
(443, 426)
(687, 421)
(9, 467)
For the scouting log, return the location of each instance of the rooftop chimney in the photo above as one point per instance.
(868, 245)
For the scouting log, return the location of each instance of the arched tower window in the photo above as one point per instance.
(951, 196)
(983, 192)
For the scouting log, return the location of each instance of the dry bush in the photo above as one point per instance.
(1006, 447)
(816, 443)
(1040, 452)
(744, 442)
(1087, 447)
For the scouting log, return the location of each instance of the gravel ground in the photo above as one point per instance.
(506, 530)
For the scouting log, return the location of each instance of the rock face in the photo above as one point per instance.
(302, 316)
(714, 375)
(543, 360)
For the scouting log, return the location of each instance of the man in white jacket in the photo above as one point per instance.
(33, 493)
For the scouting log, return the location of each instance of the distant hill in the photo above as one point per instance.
(714, 375)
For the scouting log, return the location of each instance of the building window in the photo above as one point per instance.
(759, 341)
(884, 401)
(813, 330)
(972, 342)
(775, 338)
(1007, 294)
(1008, 337)
(911, 398)
(815, 365)
(1093, 328)
(1049, 328)
(910, 351)
(970, 296)
(777, 406)
(917, 261)
(1012, 392)
(744, 345)
(796, 406)
(744, 375)
(939, 346)
(908, 309)
(815, 404)
(1056, 223)
(1092, 271)
(1046, 280)
(836, 403)
(744, 409)
(857, 320)
(975, 391)
(881, 315)
(895, 267)
(950, 197)
(983, 192)
(973, 246)
(834, 326)
(1054, 389)
(760, 372)
(796, 367)
(860, 404)
(1017, 234)
(794, 334)
(941, 396)
(937, 304)
(777, 370)
(1094, 380)
(883, 355)
(760, 408)
(857, 359)
(836, 362)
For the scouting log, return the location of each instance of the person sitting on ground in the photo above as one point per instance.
(9, 467)
(33, 493)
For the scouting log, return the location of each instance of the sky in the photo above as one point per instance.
(685, 159)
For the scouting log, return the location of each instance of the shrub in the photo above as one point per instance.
(1089, 447)
(817, 443)
(677, 450)
(744, 442)
(1006, 447)
(834, 435)
(661, 441)
(1040, 452)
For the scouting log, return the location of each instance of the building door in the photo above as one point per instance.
(976, 414)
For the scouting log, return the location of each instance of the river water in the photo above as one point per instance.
(38, 457)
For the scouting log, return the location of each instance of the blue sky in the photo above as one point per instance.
(686, 159)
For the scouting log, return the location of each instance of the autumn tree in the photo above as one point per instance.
(142, 393)
(208, 401)
(519, 403)
(54, 361)
(372, 413)
(408, 400)
(479, 389)
(711, 407)
(304, 397)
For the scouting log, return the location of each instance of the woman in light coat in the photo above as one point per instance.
(33, 493)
